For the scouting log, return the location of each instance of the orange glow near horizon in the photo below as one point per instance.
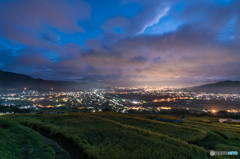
(213, 111)
(49, 106)
(232, 111)
(136, 108)
(164, 100)
(165, 108)
(81, 108)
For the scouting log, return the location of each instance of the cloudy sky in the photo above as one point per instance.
(129, 42)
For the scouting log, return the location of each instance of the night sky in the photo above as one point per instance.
(126, 42)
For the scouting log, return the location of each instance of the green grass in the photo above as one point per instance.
(104, 138)
(218, 133)
(109, 135)
(20, 142)
(184, 133)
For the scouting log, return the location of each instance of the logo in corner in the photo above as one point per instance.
(212, 153)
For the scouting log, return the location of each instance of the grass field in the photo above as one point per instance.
(184, 133)
(109, 135)
(21, 142)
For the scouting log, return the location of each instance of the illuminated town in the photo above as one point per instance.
(138, 100)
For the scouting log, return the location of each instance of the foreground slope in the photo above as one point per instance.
(113, 135)
(21, 142)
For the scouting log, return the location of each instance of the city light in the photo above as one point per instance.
(213, 111)
(134, 102)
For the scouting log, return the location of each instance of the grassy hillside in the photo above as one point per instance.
(112, 135)
(21, 142)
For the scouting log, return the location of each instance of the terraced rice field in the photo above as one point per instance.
(109, 135)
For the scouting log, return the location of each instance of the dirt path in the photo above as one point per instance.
(59, 151)
(64, 148)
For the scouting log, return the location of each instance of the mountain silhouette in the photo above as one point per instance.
(10, 80)
(225, 87)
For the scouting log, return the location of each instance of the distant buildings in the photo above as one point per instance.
(144, 100)
(8, 104)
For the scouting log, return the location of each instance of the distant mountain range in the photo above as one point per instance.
(225, 87)
(10, 80)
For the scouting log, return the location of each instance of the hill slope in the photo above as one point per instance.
(15, 80)
(107, 135)
(19, 142)
(10, 80)
(227, 87)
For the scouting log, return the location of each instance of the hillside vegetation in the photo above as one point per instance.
(21, 142)
(109, 135)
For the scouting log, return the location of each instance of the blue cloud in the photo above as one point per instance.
(121, 39)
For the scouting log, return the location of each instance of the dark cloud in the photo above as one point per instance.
(6, 57)
(139, 59)
(204, 47)
(51, 37)
(23, 17)
(150, 15)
